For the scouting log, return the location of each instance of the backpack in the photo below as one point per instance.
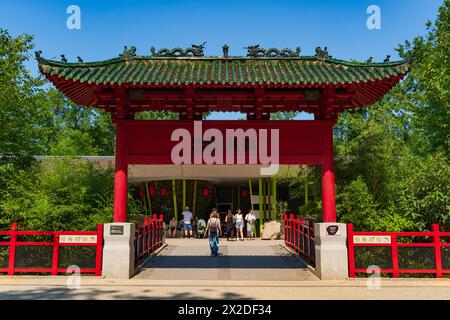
(213, 226)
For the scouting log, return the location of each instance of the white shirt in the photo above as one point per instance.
(250, 217)
(187, 217)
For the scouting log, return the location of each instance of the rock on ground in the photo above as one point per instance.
(271, 230)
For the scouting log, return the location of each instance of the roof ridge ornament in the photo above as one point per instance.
(322, 54)
(256, 52)
(128, 53)
(387, 59)
(38, 54)
(63, 58)
(195, 50)
(225, 49)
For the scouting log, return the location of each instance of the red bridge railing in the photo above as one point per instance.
(299, 236)
(148, 237)
(396, 253)
(51, 252)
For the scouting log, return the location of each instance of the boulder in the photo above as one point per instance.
(271, 230)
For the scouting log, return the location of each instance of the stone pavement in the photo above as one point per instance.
(190, 259)
(246, 270)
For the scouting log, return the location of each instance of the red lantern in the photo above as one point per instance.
(205, 192)
(151, 190)
(164, 191)
(244, 193)
(141, 193)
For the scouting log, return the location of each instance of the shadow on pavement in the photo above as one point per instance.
(62, 293)
(247, 262)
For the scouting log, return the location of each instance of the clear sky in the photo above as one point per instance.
(106, 26)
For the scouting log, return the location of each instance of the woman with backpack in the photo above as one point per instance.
(214, 230)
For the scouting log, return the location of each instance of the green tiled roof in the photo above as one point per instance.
(231, 71)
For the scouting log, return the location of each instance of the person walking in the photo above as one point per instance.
(229, 221)
(173, 227)
(239, 225)
(250, 218)
(187, 222)
(214, 230)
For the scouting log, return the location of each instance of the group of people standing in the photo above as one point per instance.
(234, 226)
(187, 227)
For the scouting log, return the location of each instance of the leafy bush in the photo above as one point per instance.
(58, 194)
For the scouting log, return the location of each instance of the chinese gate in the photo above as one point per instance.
(187, 82)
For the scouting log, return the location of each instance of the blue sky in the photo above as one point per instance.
(106, 26)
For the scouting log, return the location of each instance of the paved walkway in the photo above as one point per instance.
(190, 259)
(24, 287)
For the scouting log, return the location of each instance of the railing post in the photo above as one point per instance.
(55, 254)
(395, 268)
(99, 251)
(294, 234)
(119, 250)
(291, 229)
(12, 248)
(161, 235)
(351, 251)
(301, 238)
(162, 230)
(437, 250)
(331, 252)
(307, 241)
(152, 234)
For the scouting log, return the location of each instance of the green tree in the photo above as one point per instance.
(424, 193)
(58, 194)
(24, 119)
(426, 91)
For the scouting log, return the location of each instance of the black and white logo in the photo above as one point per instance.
(333, 230)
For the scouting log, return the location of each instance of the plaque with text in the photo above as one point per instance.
(77, 238)
(116, 230)
(372, 239)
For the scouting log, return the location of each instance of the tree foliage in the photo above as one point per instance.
(58, 194)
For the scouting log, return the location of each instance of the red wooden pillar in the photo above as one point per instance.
(120, 177)
(12, 249)
(394, 253)
(55, 254)
(437, 250)
(99, 251)
(328, 191)
(351, 252)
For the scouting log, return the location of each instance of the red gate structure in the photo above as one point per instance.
(299, 236)
(51, 252)
(191, 84)
(396, 253)
(148, 237)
